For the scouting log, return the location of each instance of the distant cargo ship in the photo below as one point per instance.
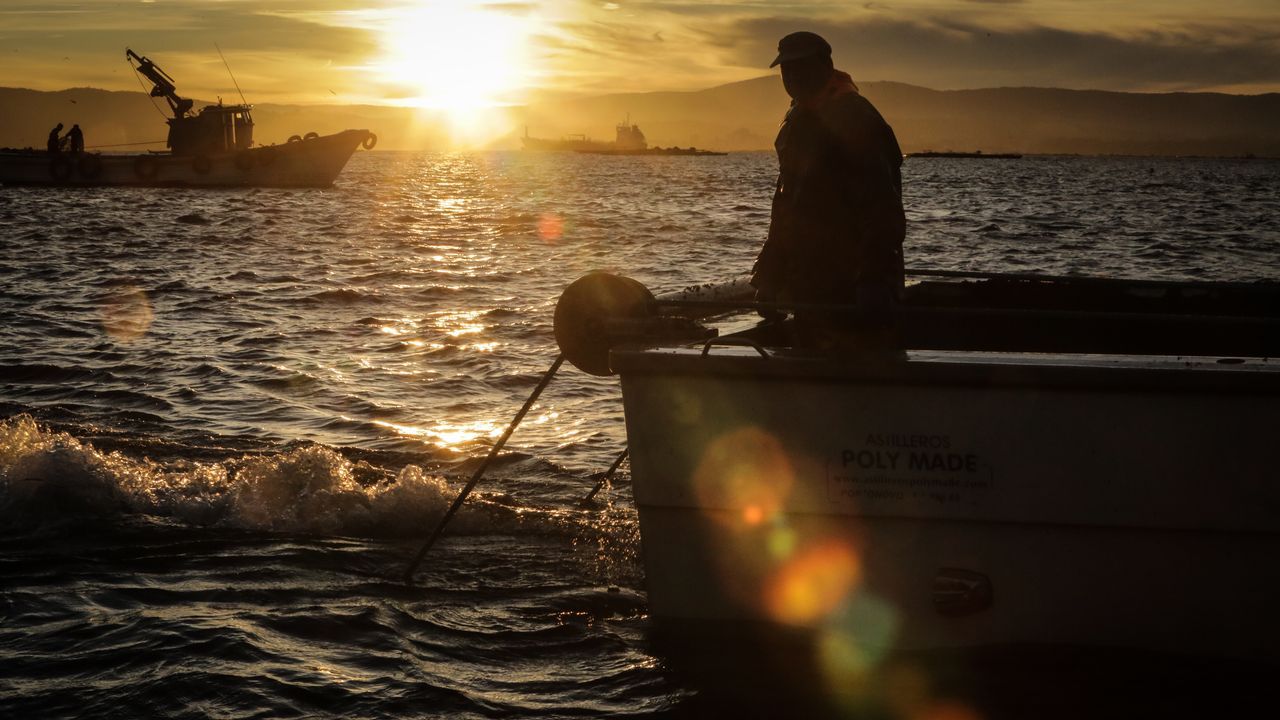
(567, 143)
(654, 151)
(628, 140)
(975, 154)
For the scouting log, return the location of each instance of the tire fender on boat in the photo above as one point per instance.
(244, 161)
(201, 164)
(295, 138)
(89, 166)
(370, 141)
(311, 136)
(60, 169)
(584, 310)
(146, 167)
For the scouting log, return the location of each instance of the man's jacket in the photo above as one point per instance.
(837, 220)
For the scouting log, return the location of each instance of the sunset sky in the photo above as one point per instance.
(469, 54)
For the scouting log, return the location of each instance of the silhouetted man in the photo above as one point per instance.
(836, 230)
(55, 142)
(77, 138)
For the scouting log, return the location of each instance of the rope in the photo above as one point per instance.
(149, 142)
(233, 77)
(146, 92)
(475, 477)
(604, 477)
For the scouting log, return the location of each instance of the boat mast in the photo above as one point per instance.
(233, 77)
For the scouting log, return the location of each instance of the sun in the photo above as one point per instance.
(458, 56)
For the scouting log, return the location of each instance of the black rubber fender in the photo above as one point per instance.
(294, 138)
(582, 315)
(311, 136)
(370, 142)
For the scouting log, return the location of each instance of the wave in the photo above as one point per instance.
(50, 373)
(344, 296)
(49, 476)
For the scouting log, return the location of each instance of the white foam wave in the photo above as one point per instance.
(50, 475)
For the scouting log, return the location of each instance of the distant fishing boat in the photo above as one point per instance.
(210, 148)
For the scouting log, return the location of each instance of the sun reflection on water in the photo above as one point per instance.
(458, 323)
(450, 435)
(399, 328)
(466, 329)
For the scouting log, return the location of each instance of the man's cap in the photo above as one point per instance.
(799, 45)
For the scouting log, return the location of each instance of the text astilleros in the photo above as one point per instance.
(908, 441)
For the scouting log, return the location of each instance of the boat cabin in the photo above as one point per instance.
(215, 129)
(629, 137)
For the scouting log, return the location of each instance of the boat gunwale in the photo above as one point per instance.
(1058, 371)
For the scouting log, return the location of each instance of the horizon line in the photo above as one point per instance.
(393, 104)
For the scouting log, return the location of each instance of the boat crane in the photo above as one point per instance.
(162, 84)
(215, 129)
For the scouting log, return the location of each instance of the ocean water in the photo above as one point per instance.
(228, 418)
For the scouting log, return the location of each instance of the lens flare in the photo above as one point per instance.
(747, 471)
(853, 642)
(909, 693)
(781, 541)
(550, 228)
(948, 710)
(846, 670)
(126, 313)
(813, 583)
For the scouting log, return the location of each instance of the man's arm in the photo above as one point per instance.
(870, 158)
(770, 265)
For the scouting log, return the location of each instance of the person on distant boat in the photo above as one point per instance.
(77, 138)
(837, 224)
(55, 142)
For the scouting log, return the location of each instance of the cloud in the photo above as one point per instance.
(304, 49)
(949, 54)
(631, 54)
(272, 54)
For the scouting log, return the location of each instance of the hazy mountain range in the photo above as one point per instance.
(738, 116)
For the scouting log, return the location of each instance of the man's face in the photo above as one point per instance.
(804, 78)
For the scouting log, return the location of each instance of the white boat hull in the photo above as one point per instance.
(962, 500)
(314, 162)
